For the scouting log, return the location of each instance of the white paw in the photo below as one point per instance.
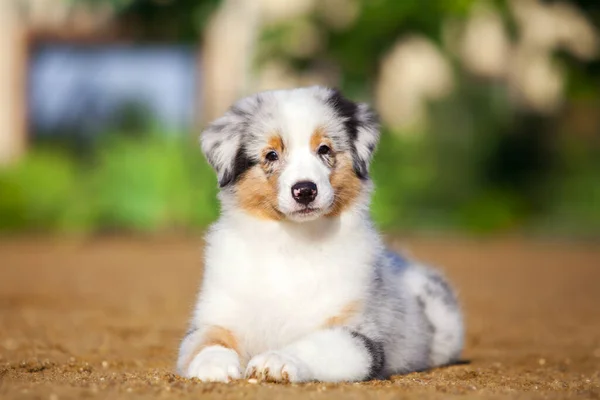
(275, 366)
(215, 364)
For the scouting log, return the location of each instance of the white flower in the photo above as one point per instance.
(536, 82)
(339, 14)
(555, 25)
(485, 46)
(414, 72)
(274, 11)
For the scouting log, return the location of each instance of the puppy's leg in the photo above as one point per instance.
(210, 354)
(441, 310)
(330, 355)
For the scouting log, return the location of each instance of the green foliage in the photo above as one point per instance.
(480, 168)
(135, 184)
(417, 190)
(357, 51)
(161, 182)
(35, 193)
(574, 196)
(180, 20)
(151, 185)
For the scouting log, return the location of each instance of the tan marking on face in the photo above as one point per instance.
(346, 185)
(275, 143)
(318, 137)
(345, 315)
(257, 194)
(257, 189)
(214, 336)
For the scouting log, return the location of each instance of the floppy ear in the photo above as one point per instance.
(222, 145)
(367, 137)
(362, 126)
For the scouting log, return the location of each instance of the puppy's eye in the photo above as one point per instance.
(272, 156)
(324, 150)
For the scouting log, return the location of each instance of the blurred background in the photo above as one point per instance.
(490, 109)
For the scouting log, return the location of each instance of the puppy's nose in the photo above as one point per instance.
(304, 192)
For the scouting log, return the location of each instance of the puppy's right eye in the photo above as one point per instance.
(272, 156)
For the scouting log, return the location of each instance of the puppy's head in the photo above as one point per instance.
(293, 154)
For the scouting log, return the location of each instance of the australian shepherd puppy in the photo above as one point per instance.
(297, 284)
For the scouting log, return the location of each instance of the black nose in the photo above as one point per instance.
(304, 192)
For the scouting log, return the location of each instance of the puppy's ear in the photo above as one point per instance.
(367, 137)
(362, 126)
(223, 146)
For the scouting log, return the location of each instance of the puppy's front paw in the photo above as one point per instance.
(276, 366)
(215, 364)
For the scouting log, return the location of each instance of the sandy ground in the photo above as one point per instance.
(102, 319)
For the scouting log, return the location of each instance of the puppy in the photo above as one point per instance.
(298, 285)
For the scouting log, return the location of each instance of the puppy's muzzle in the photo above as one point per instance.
(304, 192)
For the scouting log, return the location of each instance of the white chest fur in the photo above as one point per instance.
(273, 282)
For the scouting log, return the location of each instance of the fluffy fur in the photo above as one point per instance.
(299, 292)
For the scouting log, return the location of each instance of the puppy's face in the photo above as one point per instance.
(292, 154)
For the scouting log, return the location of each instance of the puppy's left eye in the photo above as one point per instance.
(324, 150)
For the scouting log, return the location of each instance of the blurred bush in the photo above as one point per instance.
(143, 184)
(161, 182)
(39, 193)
